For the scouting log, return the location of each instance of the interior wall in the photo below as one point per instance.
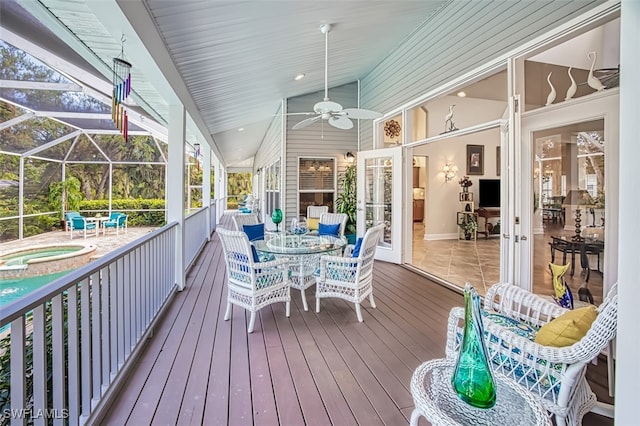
(441, 197)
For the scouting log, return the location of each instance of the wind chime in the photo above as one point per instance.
(196, 155)
(121, 91)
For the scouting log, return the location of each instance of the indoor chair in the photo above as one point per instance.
(350, 278)
(252, 284)
(515, 320)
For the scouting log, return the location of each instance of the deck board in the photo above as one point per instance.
(309, 369)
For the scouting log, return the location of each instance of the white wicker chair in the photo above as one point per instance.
(554, 375)
(350, 278)
(333, 219)
(252, 285)
(245, 219)
(316, 211)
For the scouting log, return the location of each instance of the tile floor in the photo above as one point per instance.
(477, 262)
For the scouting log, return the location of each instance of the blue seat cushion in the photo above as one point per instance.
(254, 232)
(356, 248)
(324, 229)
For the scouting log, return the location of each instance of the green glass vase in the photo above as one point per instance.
(472, 378)
(276, 217)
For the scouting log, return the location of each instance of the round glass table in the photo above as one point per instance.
(303, 252)
(435, 399)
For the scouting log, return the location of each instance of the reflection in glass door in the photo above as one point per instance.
(570, 163)
(568, 211)
(379, 199)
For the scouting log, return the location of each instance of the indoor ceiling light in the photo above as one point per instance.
(299, 77)
(461, 94)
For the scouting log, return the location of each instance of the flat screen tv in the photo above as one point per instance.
(489, 193)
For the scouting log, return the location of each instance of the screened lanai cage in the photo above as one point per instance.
(60, 151)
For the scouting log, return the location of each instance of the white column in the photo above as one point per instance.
(206, 182)
(628, 341)
(21, 200)
(175, 184)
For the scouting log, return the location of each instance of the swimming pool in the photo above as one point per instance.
(44, 260)
(11, 290)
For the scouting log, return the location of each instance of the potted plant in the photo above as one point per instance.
(469, 226)
(65, 194)
(346, 201)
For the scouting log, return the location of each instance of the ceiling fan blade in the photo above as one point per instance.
(360, 114)
(341, 122)
(306, 122)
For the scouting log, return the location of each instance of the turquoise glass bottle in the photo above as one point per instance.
(472, 377)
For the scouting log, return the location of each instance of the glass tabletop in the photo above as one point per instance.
(299, 244)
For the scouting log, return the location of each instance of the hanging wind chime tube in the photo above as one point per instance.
(196, 155)
(121, 90)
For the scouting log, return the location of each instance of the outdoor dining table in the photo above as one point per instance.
(303, 252)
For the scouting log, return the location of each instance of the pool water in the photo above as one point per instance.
(23, 258)
(11, 290)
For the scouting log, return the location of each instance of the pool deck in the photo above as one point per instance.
(104, 243)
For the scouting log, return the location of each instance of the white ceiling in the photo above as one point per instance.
(232, 62)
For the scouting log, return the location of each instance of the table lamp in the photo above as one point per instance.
(577, 198)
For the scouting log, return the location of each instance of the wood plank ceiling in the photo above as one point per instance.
(232, 62)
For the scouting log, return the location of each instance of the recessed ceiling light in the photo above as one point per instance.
(461, 94)
(298, 77)
(241, 129)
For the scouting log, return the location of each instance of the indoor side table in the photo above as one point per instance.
(435, 399)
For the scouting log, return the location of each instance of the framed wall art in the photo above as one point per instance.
(475, 159)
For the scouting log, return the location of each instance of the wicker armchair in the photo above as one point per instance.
(350, 278)
(252, 285)
(333, 219)
(245, 219)
(554, 375)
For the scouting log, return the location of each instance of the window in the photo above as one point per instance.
(316, 183)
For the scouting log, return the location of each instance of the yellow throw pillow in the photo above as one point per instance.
(313, 223)
(568, 328)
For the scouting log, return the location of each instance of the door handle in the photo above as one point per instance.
(507, 236)
(523, 237)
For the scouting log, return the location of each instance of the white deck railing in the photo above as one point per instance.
(83, 329)
(195, 234)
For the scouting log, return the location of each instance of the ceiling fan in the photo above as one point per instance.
(329, 110)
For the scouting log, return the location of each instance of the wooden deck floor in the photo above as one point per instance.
(309, 369)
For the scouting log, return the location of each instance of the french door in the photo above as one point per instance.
(380, 199)
(572, 147)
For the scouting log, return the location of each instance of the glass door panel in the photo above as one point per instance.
(569, 162)
(380, 200)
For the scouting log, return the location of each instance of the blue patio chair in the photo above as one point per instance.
(116, 220)
(79, 223)
(68, 216)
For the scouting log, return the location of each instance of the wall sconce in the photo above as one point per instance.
(449, 171)
(350, 157)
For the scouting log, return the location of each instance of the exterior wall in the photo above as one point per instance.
(269, 151)
(483, 31)
(628, 342)
(318, 140)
